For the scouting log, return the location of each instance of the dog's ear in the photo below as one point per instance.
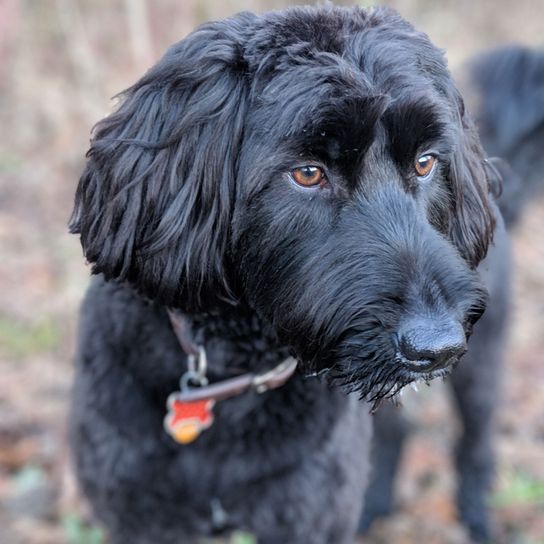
(154, 202)
(472, 221)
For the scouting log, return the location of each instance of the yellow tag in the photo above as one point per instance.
(186, 433)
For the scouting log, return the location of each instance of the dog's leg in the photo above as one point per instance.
(390, 430)
(476, 390)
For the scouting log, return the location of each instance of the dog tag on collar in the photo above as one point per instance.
(186, 419)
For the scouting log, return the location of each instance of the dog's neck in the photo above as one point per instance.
(236, 341)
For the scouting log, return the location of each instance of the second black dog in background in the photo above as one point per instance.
(508, 87)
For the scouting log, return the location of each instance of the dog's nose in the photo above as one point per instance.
(431, 344)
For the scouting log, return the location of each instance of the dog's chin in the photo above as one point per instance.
(377, 382)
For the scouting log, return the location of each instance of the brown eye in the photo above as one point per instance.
(308, 176)
(424, 165)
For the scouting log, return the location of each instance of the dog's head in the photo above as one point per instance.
(315, 164)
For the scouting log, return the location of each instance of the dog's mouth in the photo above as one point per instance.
(391, 381)
(428, 368)
(412, 373)
(426, 375)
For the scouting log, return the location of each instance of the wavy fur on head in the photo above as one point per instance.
(155, 203)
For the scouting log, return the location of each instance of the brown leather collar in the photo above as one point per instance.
(180, 326)
(230, 387)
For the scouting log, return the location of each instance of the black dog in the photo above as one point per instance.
(307, 184)
(508, 87)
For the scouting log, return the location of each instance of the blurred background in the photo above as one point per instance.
(61, 61)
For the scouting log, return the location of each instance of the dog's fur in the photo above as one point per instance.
(188, 201)
(507, 86)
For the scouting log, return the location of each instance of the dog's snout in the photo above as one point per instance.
(430, 344)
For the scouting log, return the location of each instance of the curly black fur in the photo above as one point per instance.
(188, 201)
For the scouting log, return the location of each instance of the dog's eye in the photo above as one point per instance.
(424, 165)
(308, 176)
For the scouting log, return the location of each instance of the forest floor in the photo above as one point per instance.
(58, 65)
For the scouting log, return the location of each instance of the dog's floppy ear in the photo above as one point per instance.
(472, 221)
(153, 204)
